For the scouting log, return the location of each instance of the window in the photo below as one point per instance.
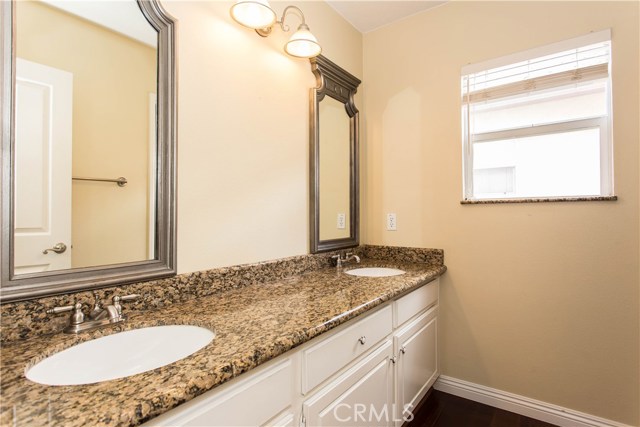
(537, 124)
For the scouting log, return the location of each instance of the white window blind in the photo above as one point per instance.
(576, 65)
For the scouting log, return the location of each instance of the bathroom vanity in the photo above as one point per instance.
(368, 370)
(297, 342)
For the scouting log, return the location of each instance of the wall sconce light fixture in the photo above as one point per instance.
(258, 15)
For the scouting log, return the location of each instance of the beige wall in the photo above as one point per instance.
(540, 299)
(112, 79)
(243, 133)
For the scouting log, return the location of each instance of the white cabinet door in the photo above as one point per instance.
(417, 362)
(362, 396)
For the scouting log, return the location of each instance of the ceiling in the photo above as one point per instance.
(368, 15)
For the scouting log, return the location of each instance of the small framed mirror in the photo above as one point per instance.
(88, 116)
(333, 148)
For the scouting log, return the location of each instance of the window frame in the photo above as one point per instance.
(603, 123)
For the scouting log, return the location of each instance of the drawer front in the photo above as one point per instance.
(413, 303)
(329, 356)
(250, 402)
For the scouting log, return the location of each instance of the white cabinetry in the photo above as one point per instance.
(363, 373)
(362, 396)
(417, 361)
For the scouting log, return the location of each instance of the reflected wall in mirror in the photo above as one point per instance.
(88, 144)
(334, 139)
(95, 88)
(334, 169)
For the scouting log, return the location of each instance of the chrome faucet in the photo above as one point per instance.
(97, 318)
(342, 259)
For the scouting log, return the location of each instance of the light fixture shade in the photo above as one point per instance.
(254, 14)
(303, 44)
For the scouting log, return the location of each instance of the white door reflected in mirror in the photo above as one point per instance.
(43, 167)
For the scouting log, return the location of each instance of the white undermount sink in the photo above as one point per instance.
(374, 272)
(120, 355)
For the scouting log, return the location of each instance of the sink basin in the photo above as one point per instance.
(120, 355)
(374, 272)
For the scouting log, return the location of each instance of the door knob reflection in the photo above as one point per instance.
(57, 248)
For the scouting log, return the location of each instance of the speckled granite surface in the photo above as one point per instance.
(254, 322)
(540, 200)
(403, 254)
(27, 319)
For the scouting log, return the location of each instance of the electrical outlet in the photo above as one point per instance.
(342, 221)
(392, 224)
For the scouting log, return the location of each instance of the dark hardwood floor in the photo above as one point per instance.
(440, 409)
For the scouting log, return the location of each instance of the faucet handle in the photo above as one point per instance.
(62, 309)
(117, 299)
(129, 297)
(57, 310)
(76, 318)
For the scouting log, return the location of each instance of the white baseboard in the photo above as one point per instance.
(521, 405)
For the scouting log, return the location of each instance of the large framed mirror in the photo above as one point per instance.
(334, 146)
(88, 116)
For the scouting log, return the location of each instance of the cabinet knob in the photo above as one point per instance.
(393, 359)
(362, 340)
(403, 350)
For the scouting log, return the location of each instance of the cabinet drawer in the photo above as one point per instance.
(250, 402)
(413, 303)
(322, 360)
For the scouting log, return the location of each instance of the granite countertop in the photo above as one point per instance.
(253, 325)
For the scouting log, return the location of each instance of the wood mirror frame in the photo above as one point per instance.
(333, 81)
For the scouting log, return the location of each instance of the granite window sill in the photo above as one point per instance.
(540, 200)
